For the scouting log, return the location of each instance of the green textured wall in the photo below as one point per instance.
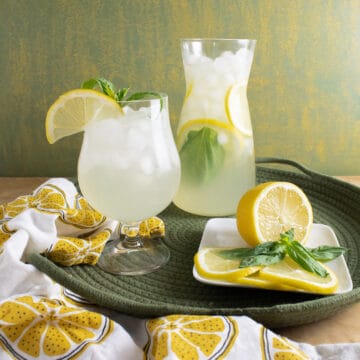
(304, 89)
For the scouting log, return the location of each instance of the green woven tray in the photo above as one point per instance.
(173, 289)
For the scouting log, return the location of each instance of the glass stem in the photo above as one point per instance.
(132, 238)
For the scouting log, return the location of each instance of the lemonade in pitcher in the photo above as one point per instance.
(214, 134)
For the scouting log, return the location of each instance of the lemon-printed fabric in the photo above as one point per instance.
(181, 337)
(69, 251)
(190, 337)
(59, 222)
(38, 319)
(275, 347)
(40, 327)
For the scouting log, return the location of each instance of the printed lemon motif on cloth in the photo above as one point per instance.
(190, 337)
(69, 251)
(153, 226)
(36, 327)
(275, 347)
(71, 231)
(5, 234)
(82, 214)
(2, 213)
(48, 198)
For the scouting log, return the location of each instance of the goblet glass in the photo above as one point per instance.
(129, 170)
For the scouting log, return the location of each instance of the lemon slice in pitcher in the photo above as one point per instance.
(72, 111)
(237, 110)
(227, 134)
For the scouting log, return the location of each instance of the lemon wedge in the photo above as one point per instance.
(212, 266)
(272, 208)
(237, 109)
(287, 272)
(72, 111)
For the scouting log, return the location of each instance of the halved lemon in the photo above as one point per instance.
(212, 266)
(272, 208)
(72, 111)
(288, 272)
(227, 134)
(237, 109)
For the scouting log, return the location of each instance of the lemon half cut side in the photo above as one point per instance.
(272, 208)
(73, 110)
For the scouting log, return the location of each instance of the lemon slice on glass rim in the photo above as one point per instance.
(73, 110)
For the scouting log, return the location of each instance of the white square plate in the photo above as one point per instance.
(222, 232)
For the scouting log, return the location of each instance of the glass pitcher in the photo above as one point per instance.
(214, 133)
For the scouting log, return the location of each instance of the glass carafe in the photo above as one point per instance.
(214, 133)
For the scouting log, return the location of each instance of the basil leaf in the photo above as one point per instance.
(144, 95)
(89, 84)
(270, 248)
(106, 86)
(303, 257)
(287, 235)
(263, 260)
(202, 156)
(236, 254)
(327, 253)
(120, 95)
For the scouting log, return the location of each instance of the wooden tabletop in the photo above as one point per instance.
(343, 327)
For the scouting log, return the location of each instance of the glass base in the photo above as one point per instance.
(122, 260)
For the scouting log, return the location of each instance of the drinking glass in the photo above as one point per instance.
(129, 170)
(214, 132)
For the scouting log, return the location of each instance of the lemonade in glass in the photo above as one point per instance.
(128, 167)
(129, 170)
(214, 133)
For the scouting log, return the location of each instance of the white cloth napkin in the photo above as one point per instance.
(39, 319)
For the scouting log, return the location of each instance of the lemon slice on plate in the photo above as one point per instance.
(272, 208)
(72, 111)
(286, 275)
(288, 272)
(256, 281)
(214, 269)
(212, 266)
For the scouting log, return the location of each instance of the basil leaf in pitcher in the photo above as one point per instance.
(202, 156)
